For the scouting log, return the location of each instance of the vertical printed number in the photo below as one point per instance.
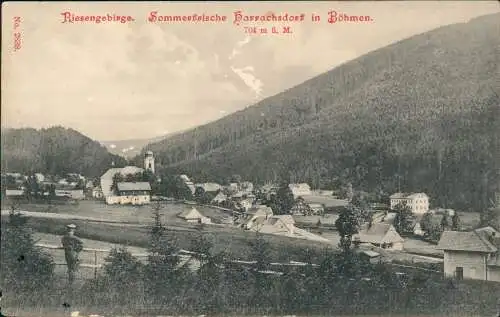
(17, 33)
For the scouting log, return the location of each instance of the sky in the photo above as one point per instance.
(118, 81)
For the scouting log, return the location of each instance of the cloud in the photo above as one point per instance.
(239, 44)
(246, 73)
(250, 80)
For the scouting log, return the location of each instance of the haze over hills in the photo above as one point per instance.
(421, 115)
(129, 148)
(56, 151)
(133, 147)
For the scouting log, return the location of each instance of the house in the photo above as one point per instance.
(472, 254)
(219, 198)
(300, 189)
(194, 216)
(283, 224)
(418, 202)
(135, 193)
(382, 235)
(248, 218)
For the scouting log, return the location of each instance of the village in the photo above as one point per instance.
(405, 227)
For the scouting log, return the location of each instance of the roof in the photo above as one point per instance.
(302, 186)
(14, 192)
(371, 254)
(110, 173)
(238, 194)
(209, 187)
(326, 201)
(220, 196)
(379, 233)
(131, 170)
(125, 186)
(192, 213)
(471, 241)
(407, 195)
(315, 205)
(286, 219)
(260, 210)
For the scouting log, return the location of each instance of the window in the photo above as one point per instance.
(473, 272)
(459, 273)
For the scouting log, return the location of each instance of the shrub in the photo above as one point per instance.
(25, 269)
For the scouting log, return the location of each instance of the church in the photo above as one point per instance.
(134, 193)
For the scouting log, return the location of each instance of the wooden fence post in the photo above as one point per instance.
(95, 264)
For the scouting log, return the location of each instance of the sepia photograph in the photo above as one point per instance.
(240, 158)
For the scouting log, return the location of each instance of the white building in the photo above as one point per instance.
(417, 202)
(471, 255)
(298, 190)
(194, 216)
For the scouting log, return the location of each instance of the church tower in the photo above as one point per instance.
(149, 162)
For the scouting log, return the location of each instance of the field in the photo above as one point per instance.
(134, 231)
(128, 225)
(122, 214)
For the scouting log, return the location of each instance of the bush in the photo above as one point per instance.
(25, 269)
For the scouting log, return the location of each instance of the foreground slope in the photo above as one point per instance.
(420, 114)
(54, 150)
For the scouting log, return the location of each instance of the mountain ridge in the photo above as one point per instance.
(415, 91)
(55, 150)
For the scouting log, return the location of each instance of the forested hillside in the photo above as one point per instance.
(422, 114)
(55, 151)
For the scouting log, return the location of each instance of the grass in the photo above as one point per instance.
(232, 240)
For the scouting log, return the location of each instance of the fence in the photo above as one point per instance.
(96, 257)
